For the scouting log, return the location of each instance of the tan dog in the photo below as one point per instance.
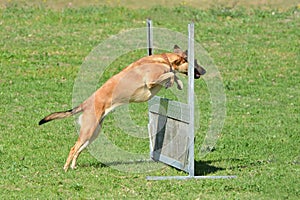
(138, 82)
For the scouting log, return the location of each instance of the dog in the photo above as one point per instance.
(138, 82)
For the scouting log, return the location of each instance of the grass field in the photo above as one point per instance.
(257, 54)
(133, 4)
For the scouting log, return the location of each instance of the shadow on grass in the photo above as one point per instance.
(203, 168)
(114, 163)
(92, 164)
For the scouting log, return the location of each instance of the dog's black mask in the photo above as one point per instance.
(198, 70)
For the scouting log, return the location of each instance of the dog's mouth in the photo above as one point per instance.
(198, 70)
(197, 74)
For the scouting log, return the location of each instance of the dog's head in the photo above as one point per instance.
(182, 63)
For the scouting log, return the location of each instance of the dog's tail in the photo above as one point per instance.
(60, 115)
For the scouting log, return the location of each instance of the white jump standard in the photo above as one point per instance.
(171, 123)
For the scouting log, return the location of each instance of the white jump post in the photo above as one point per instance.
(191, 100)
(149, 37)
(165, 115)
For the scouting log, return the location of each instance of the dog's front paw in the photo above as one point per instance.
(179, 84)
(169, 83)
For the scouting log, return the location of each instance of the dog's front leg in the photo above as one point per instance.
(178, 82)
(166, 79)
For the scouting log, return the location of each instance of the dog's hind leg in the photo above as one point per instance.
(88, 128)
(94, 136)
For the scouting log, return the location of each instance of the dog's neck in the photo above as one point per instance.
(165, 57)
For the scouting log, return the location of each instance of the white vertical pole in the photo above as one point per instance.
(150, 52)
(191, 98)
(149, 37)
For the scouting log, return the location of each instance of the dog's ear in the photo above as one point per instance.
(177, 49)
(185, 54)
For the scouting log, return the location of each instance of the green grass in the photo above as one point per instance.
(202, 4)
(256, 51)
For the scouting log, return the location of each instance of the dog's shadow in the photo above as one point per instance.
(94, 164)
(202, 168)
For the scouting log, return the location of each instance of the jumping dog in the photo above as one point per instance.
(138, 82)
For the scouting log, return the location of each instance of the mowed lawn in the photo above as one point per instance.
(257, 54)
